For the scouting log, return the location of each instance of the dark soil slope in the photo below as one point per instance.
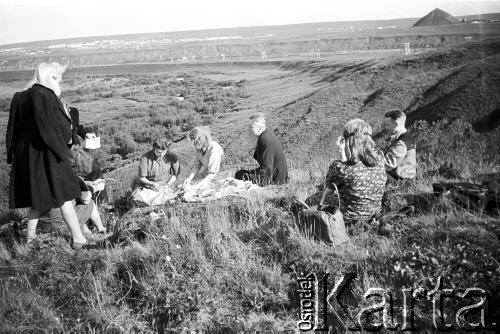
(436, 18)
(459, 83)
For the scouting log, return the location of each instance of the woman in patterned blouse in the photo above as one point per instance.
(360, 175)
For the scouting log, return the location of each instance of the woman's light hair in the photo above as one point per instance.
(44, 73)
(359, 145)
(200, 137)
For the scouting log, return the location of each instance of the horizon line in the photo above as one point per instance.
(223, 28)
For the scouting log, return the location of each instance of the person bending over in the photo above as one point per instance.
(86, 212)
(209, 157)
(268, 153)
(158, 167)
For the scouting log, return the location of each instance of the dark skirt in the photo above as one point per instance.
(38, 180)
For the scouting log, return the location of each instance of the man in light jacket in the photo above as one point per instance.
(400, 156)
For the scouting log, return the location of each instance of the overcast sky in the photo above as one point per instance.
(31, 20)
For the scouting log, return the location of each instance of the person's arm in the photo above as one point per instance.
(199, 169)
(148, 184)
(208, 172)
(335, 175)
(175, 167)
(45, 120)
(394, 154)
(10, 127)
(81, 131)
(86, 192)
(264, 154)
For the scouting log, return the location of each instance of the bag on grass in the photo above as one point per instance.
(322, 225)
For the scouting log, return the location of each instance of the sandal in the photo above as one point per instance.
(30, 239)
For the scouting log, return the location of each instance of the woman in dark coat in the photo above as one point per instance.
(37, 136)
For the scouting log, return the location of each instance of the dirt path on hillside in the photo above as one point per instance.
(265, 91)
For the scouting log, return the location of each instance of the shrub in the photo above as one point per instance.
(5, 104)
(452, 141)
(124, 144)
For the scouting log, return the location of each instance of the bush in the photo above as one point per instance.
(124, 144)
(226, 83)
(5, 104)
(452, 141)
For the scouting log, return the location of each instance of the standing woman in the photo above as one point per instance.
(37, 136)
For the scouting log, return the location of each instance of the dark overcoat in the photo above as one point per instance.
(37, 135)
(271, 158)
(77, 130)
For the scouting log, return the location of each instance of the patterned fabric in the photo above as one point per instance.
(360, 188)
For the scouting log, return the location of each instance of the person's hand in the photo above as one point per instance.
(99, 185)
(86, 197)
(185, 184)
(155, 186)
(341, 146)
(90, 135)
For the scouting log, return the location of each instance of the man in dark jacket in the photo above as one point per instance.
(268, 153)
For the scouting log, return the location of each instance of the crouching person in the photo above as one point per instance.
(268, 153)
(400, 156)
(87, 168)
(209, 157)
(158, 170)
(86, 212)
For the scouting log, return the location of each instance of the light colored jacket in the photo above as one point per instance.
(401, 156)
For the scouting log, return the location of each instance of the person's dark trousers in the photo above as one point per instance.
(250, 175)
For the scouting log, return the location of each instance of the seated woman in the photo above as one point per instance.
(209, 158)
(359, 175)
(86, 212)
(88, 169)
(158, 170)
(86, 205)
(158, 167)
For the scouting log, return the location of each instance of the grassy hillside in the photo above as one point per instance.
(232, 265)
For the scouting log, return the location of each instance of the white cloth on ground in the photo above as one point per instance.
(153, 197)
(218, 189)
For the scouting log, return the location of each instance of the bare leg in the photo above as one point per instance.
(85, 230)
(33, 216)
(69, 216)
(96, 219)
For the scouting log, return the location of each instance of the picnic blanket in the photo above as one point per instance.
(153, 197)
(221, 188)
